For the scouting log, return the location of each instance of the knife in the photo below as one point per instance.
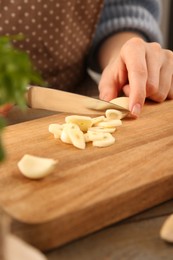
(62, 101)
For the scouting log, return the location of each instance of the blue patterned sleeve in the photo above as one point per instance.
(142, 16)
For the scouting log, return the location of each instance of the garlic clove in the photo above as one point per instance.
(35, 167)
(114, 114)
(121, 101)
(107, 140)
(110, 123)
(166, 232)
(84, 122)
(102, 129)
(76, 135)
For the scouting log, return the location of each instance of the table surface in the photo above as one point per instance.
(134, 238)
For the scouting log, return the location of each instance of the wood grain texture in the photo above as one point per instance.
(89, 188)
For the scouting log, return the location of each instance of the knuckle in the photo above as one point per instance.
(134, 42)
(152, 87)
(156, 46)
(160, 97)
(169, 58)
(156, 52)
(137, 41)
(169, 53)
(158, 94)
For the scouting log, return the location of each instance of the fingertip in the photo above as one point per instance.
(136, 102)
(136, 110)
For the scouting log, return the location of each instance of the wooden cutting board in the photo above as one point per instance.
(89, 189)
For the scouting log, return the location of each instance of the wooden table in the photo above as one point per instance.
(133, 238)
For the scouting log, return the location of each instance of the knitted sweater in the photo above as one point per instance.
(142, 16)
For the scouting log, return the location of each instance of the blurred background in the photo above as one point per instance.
(167, 22)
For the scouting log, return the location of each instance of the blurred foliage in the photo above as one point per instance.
(16, 73)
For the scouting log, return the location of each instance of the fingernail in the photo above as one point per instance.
(136, 110)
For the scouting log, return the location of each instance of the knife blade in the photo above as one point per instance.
(62, 101)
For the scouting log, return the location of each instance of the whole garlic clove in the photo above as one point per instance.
(35, 167)
(166, 232)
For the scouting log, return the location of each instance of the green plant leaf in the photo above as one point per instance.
(16, 73)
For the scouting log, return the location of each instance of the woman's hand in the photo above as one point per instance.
(4, 110)
(142, 70)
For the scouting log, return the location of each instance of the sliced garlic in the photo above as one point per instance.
(78, 130)
(107, 140)
(35, 167)
(93, 136)
(121, 101)
(102, 129)
(110, 123)
(97, 119)
(166, 232)
(86, 137)
(114, 114)
(76, 135)
(65, 137)
(84, 122)
(55, 129)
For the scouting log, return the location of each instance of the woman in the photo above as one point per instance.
(120, 38)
